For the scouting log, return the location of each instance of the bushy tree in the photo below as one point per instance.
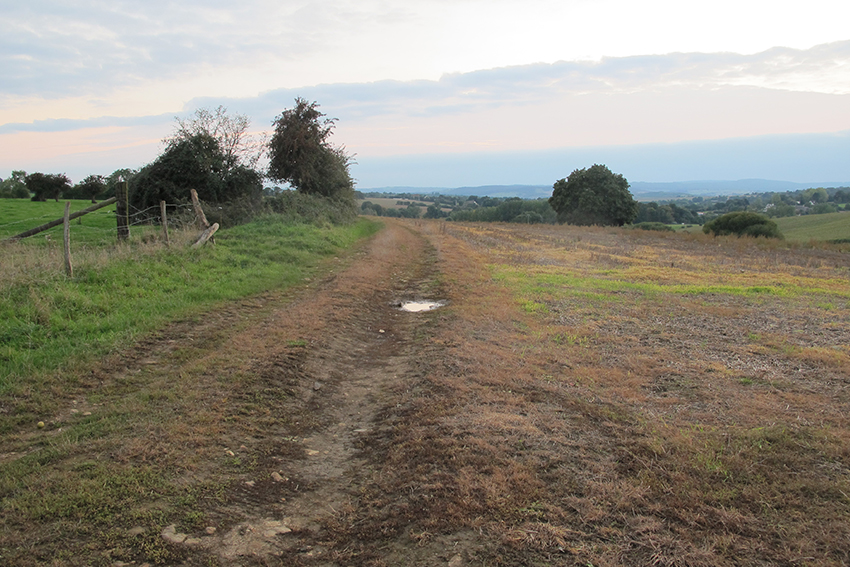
(593, 196)
(841, 196)
(44, 186)
(90, 188)
(15, 187)
(231, 131)
(196, 163)
(824, 208)
(781, 210)
(742, 223)
(301, 155)
(817, 195)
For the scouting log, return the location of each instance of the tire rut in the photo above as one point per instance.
(351, 360)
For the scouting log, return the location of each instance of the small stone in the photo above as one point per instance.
(272, 528)
(276, 477)
(381, 331)
(192, 541)
(231, 453)
(210, 530)
(250, 483)
(317, 386)
(75, 411)
(311, 452)
(138, 530)
(170, 534)
(456, 561)
(86, 413)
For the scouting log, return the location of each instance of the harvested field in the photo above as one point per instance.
(584, 396)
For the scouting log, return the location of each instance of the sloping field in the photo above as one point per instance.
(833, 226)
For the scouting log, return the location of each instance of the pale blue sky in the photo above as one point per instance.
(536, 87)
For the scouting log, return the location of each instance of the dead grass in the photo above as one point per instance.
(580, 419)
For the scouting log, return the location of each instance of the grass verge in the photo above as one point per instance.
(99, 453)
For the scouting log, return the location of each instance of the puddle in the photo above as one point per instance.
(419, 306)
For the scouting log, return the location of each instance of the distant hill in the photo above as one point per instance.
(524, 191)
(740, 187)
(642, 190)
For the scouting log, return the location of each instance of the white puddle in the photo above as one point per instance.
(419, 306)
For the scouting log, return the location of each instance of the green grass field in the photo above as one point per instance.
(119, 291)
(98, 227)
(832, 226)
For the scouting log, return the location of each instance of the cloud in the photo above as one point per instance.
(53, 49)
(614, 101)
(683, 79)
(823, 69)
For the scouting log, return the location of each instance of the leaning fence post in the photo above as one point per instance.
(206, 235)
(69, 270)
(163, 221)
(121, 210)
(203, 223)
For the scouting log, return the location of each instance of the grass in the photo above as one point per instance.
(120, 292)
(104, 475)
(96, 228)
(832, 226)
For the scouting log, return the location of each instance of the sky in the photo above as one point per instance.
(442, 93)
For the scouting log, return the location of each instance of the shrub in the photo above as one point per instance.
(309, 208)
(743, 223)
(659, 226)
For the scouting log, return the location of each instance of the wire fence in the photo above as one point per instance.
(103, 221)
(93, 241)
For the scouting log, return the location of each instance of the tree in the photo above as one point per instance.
(593, 196)
(46, 186)
(196, 163)
(230, 130)
(15, 187)
(91, 187)
(301, 155)
(818, 195)
(742, 223)
(840, 196)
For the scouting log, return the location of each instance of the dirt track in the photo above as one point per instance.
(347, 359)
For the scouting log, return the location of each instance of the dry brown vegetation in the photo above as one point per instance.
(588, 396)
(606, 397)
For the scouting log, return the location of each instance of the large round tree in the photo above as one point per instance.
(594, 196)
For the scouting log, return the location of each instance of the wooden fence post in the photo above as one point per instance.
(201, 218)
(122, 215)
(207, 235)
(163, 221)
(69, 270)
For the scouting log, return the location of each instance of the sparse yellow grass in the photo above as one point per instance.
(681, 397)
